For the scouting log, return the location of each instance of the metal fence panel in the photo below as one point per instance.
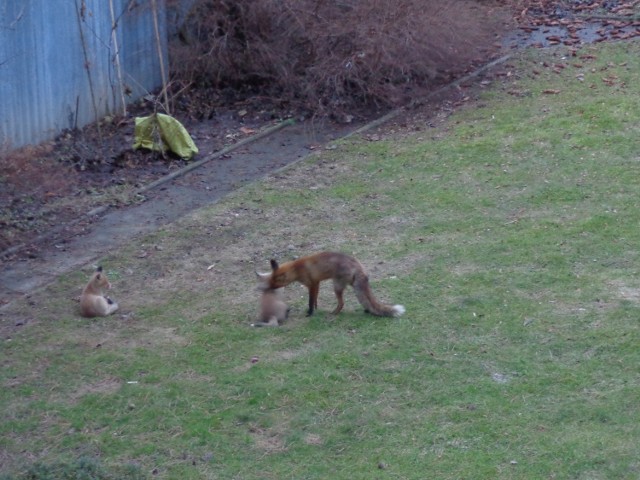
(62, 65)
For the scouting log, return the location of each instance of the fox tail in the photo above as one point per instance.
(369, 302)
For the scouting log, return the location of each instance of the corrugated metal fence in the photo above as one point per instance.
(66, 63)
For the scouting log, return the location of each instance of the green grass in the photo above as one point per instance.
(510, 234)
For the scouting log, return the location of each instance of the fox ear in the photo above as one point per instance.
(98, 276)
(262, 276)
(274, 264)
(99, 269)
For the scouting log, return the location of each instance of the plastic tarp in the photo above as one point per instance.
(160, 132)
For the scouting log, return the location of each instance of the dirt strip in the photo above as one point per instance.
(100, 231)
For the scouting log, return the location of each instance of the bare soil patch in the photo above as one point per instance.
(54, 183)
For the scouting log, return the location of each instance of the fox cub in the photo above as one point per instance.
(273, 311)
(93, 301)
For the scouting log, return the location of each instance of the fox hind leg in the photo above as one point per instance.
(106, 305)
(339, 291)
(339, 295)
(113, 306)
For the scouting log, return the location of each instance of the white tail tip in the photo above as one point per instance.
(398, 310)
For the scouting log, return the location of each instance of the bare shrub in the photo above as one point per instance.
(331, 55)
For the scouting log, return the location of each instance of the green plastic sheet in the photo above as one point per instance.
(160, 132)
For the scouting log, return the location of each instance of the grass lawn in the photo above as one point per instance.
(509, 231)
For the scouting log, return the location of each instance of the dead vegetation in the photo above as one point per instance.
(330, 57)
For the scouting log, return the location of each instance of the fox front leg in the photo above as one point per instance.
(314, 289)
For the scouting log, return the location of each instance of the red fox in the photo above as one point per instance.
(342, 269)
(273, 311)
(93, 302)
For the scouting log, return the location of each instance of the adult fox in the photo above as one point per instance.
(342, 269)
(93, 301)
